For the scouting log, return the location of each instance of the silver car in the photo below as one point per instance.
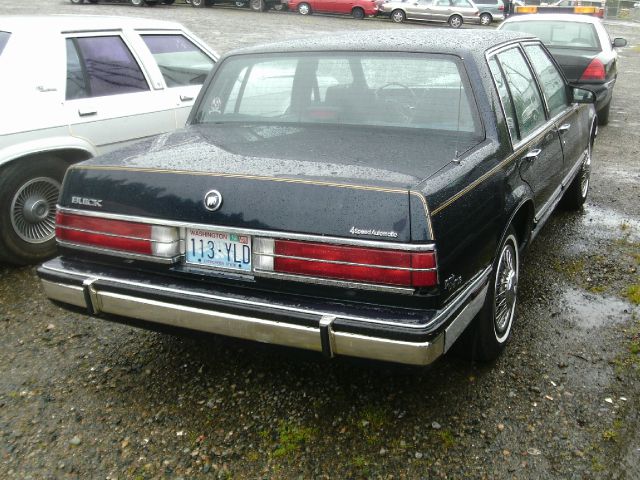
(453, 12)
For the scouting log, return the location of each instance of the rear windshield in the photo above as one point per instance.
(4, 38)
(416, 91)
(559, 34)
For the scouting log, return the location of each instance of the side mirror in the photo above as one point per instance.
(582, 95)
(619, 42)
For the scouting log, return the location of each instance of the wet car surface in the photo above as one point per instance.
(80, 398)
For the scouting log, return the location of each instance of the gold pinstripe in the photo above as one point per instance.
(249, 177)
(488, 174)
(426, 211)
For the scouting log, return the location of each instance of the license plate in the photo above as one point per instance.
(209, 248)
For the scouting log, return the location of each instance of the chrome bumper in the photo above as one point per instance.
(322, 338)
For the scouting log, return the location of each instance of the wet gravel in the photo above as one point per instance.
(83, 398)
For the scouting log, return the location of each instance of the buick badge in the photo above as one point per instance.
(212, 200)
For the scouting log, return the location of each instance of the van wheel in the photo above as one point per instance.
(455, 21)
(489, 332)
(28, 196)
(398, 16)
(357, 13)
(486, 19)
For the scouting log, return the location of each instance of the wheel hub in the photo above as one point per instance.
(35, 210)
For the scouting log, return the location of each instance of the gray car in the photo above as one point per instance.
(490, 11)
(453, 12)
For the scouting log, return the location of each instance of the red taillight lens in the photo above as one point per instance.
(358, 264)
(594, 72)
(500, 7)
(121, 235)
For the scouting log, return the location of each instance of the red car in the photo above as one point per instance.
(357, 8)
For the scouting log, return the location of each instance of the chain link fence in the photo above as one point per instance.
(623, 9)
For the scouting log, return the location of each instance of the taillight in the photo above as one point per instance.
(594, 72)
(131, 237)
(350, 263)
(500, 7)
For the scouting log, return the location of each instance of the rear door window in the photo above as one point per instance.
(180, 60)
(102, 66)
(524, 91)
(505, 98)
(4, 38)
(550, 79)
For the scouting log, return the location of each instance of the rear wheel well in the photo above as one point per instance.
(66, 155)
(522, 221)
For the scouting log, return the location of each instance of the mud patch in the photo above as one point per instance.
(589, 311)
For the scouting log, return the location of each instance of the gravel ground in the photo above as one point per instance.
(83, 398)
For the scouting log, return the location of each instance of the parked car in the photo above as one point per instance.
(582, 47)
(353, 195)
(76, 86)
(453, 12)
(356, 8)
(490, 11)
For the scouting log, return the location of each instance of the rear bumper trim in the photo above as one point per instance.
(319, 336)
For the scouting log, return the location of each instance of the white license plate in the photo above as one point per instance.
(210, 248)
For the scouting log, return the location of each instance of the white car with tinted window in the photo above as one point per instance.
(73, 87)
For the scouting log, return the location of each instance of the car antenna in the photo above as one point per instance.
(456, 153)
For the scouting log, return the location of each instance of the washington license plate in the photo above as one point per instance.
(209, 248)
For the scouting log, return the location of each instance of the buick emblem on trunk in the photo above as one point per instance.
(212, 200)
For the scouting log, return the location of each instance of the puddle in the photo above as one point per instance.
(606, 222)
(595, 311)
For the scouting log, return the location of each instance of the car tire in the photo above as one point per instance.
(486, 19)
(28, 195)
(603, 114)
(258, 5)
(577, 193)
(240, 3)
(304, 8)
(398, 16)
(198, 3)
(137, 3)
(77, 2)
(490, 331)
(279, 7)
(455, 21)
(357, 13)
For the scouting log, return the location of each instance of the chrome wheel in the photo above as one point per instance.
(506, 289)
(485, 19)
(304, 9)
(33, 210)
(398, 16)
(585, 173)
(455, 21)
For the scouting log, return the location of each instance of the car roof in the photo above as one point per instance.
(555, 17)
(464, 43)
(75, 23)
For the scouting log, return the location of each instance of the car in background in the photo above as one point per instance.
(348, 194)
(581, 46)
(74, 87)
(490, 11)
(358, 9)
(453, 12)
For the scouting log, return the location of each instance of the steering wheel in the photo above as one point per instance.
(405, 107)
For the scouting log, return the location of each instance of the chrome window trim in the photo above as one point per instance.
(338, 262)
(119, 253)
(410, 247)
(476, 282)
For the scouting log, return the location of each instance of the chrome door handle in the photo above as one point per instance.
(87, 112)
(185, 98)
(564, 127)
(533, 154)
